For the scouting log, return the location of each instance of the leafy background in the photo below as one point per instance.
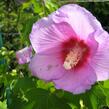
(18, 88)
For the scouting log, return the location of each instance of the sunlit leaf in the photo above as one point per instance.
(106, 84)
(3, 105)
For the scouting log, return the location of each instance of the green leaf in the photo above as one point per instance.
(106, 91)
(17, 95)
(106, 84)
(27, 96)
(38, 99)
(45, 100)
(29, 105)
(107, 101)
(1, 42)
(93, 101)
(72, 99)
(3, 105)
(24, 84)
(2, 61)
(99, 95)
(44, 85)
(37, 7)
(51, 6)
(27, 29)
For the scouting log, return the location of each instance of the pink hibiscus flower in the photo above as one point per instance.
(71, 49)
(24, 56)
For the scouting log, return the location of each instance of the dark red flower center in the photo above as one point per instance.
(75, 53)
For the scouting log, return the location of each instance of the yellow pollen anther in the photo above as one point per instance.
(72, 58)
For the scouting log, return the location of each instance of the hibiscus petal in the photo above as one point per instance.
(48, 35)
(46, 67)
(77, 81)
(100, 62)
(81, 20)
(93, 44)
(24, 55)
